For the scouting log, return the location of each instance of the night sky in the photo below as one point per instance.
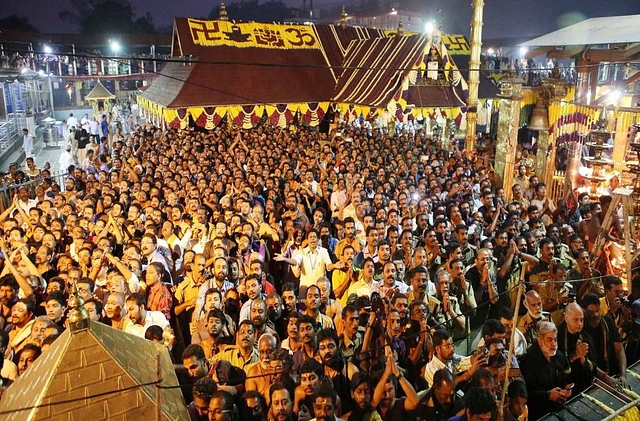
(503, 18)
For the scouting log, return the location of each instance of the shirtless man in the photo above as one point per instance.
(257, 378)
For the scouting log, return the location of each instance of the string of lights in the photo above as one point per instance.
(195, 60)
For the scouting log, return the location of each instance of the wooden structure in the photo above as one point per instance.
(621, 196)
(99, 98)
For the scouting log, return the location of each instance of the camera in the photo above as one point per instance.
(378, 306)
(413, 334)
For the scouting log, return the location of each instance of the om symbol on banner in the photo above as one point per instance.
(252, 34)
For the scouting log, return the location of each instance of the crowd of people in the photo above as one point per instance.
(298, 275)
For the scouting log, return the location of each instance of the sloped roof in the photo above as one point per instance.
(423, 96)
(83, 367)
(595, 31)
(99, 92)
(169, 83)
(227, 75)
(375, 68)
(336, 40)
(346, 64)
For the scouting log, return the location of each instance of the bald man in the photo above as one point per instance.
(257, 378)
(578, 346)
(529, 322)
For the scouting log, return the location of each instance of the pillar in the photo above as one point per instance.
(78, 92)
(587, 82)
(573, 163)
(508, 119)
(75, 60)
(546, 164)
(620, 142)
(474, 74)
(507, 141)
(542, 156)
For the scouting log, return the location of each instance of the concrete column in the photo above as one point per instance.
(75, 60)
(508, 119)
(587, 82)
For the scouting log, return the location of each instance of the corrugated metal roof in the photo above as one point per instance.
(595, 31)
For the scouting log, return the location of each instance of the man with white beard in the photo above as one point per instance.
(529, 322)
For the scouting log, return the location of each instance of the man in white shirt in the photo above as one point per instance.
(28, 144)
(444, 357)
(313, 261)
(85, 123)
(338, 199)
(72, 122)
(139, 319)
(65, 158)
(24, 201)
(389, 285)
(94, 130)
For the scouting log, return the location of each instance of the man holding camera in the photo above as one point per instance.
(613, 304)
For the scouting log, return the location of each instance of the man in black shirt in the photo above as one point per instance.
(546, 372)
(608, 345)
(483, 281)
(578, 346)
(436, 402)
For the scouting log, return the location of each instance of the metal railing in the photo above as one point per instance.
(7, 192)
(10, 130)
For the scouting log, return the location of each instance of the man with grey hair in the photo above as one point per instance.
(529, 322)
(547, 372)
(258, 374)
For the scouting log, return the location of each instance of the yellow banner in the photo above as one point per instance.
(456, 44)
(212, 33)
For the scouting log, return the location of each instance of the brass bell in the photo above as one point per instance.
(539, 117)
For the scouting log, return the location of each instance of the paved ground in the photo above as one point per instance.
(51, 155)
